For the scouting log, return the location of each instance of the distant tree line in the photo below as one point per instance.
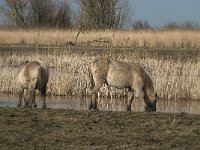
(144, 25)
(37, 13)
(188, 25)
(92, 14)
(103, 14)
(89, 14)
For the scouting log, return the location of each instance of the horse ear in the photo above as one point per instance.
(24, 62)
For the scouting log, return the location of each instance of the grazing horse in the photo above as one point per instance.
(122, 75)
(31, 76)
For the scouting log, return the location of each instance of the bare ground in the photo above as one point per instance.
(69, 129)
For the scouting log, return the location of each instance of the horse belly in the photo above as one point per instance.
(119, 79)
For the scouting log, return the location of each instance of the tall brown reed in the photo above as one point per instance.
(173, 78)
(121, 38)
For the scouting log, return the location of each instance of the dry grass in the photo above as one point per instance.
(69, 129)
(126, 38)
(175, 78)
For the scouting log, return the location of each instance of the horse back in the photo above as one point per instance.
(119, 74)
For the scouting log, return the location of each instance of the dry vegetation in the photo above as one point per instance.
(126, 38)
(175, 70)
(176, 73)
(68, 129)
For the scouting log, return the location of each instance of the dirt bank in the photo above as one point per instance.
(69, 129)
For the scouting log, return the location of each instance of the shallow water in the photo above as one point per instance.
(107, 104)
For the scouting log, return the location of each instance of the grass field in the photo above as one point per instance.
(106, 38)
(172, 58)
(68, 129)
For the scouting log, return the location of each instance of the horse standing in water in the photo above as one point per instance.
(31, 76)
(122, 75)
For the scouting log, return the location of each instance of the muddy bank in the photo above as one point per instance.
(69, 129)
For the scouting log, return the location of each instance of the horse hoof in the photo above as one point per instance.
(128, 108)
(44, 106)
(91, 108)
(147, 109)
(24, 106)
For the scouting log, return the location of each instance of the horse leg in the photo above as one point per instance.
(96, 83)
(33, 99)
(31, 93)
(43, 96)
(109, 90)
(21, 92)
(93, 101)
(130, 99)
(94, 93)
(26, 97)
(139, 94)
(44, 105)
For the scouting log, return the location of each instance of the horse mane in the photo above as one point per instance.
(24, 62)
(144, 68)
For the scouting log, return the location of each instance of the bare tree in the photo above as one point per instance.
(15, 11)
(37, 13)
(103, 14)
(141, 25)
(63, 15)
(41, 12)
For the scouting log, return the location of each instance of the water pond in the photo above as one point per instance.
(107, 104)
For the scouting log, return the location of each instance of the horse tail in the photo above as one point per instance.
(39, 80)
(91, 78)
(43, 77)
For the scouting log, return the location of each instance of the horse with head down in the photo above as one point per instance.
(122, 75)
(31, 76)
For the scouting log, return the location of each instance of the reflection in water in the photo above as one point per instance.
(109, 104)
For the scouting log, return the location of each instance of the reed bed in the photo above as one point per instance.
(173, 78)
(109, 38)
